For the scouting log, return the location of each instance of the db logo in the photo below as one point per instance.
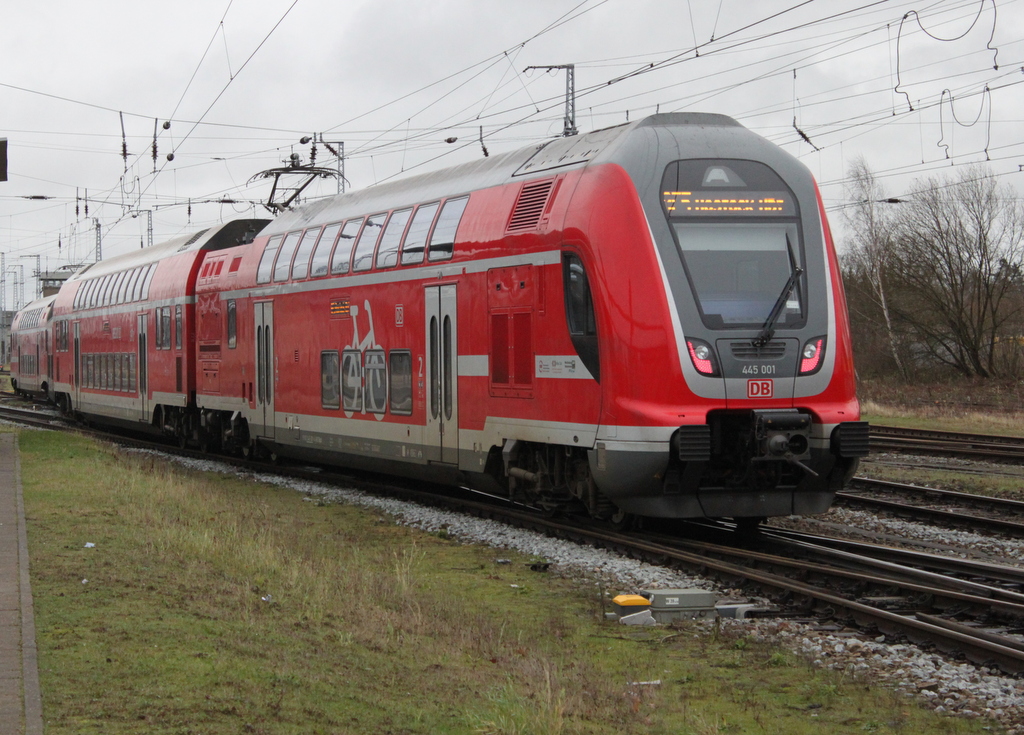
(759, 389)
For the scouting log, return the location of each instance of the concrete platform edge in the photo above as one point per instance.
(29, 654)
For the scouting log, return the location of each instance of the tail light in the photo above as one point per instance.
(703, 357)
(811, 356)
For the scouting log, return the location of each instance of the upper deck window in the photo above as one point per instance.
(266, 266)
(367, 241)
(387, 251)
(122, 285)
(283, 265)
(442, 240)
(737, 229)
(339, 262)
(149, 280)
(322, 255)
(133, 278)
(416, 239)
(301, 267)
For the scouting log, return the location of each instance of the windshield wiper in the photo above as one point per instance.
(768, 330)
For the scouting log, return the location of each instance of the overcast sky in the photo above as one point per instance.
(901, 84)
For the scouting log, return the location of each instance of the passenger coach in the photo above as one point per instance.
(31, 349)
(647, 319)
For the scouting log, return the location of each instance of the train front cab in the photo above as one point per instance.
(744, 407)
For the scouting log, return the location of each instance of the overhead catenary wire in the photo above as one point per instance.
(406, 144)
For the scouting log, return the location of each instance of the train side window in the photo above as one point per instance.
(117, 293)
(177, 327)
(579, 312)
(322, 254)
(442, 241)
(283, 264)
(376, 379)
(366, 243)
(157, 327)
(115, 283)
(266, 267)
(123, 291)
(387, 251)
(339, 263)
(301, 267)
(232, 325)
(129, 288)
(109, 292)
(104, 288)
(110, 295)
(165, 328)
(352, 380)
(330, 379)
(400, 382)
(140, 282)
(416, 238)
(149, 280)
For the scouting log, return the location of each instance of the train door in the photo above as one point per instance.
(143, 362)
(77, 377)
(265, 369)
(442, 435)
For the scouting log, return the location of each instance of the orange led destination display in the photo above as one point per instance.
(728, 203)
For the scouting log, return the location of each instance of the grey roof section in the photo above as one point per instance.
(555, 156)
(212, 238)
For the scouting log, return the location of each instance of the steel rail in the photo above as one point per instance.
(934, 514)
(947, 443)
(909, 557)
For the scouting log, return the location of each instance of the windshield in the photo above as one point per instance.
(737, 229)
(738, 270)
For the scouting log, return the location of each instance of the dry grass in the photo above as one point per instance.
(978, 406)
(213, 604)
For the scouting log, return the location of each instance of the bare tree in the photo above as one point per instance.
(870, 221)
(958, 259)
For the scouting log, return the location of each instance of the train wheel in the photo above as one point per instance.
(621, 520)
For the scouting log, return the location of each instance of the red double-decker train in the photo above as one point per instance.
(647, 319)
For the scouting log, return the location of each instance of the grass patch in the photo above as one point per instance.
(957, 420)
(213, 604)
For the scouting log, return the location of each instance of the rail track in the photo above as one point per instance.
(949, 507)
(947, 444)
(958, 606)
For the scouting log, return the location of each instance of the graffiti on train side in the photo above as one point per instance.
(368, 379)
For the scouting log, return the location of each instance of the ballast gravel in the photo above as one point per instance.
(952, 687)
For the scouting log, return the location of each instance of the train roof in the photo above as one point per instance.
(40, 306)
(217, 237)
(554, 156)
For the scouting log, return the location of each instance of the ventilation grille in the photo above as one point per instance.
(533, 198)
(193, 239)
(747, 351)
(851, 439)
(694, 443)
